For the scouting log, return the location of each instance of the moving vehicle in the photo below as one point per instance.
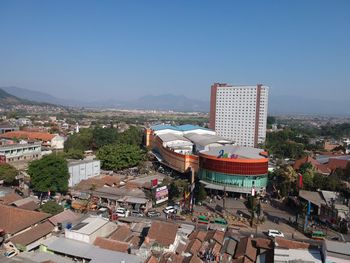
(220, 221)
(170, 209)
(319, 235)
(275, 233)
(122, 212)
(136, 213)
(203, 220)
(153, 214)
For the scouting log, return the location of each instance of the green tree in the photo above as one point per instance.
(49, 173)
(75, 154)
(103, 136)
(79, 141)
(51, 207)
(8, 173)
(117, 157)
(174, 191)
(133, 135)
(200, 193)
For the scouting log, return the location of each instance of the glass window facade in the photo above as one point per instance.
(233, 180)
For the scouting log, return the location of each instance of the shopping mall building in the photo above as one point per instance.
(219, 163)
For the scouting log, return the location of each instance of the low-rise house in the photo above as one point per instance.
(319, 167)
(15, 221)
(90, 228)
(28, 203)
(32, 238)
(162, 236)
(20, 152)
(293, 251)
(51, 141)
(63, 219)
(245, 251)
(86, 252)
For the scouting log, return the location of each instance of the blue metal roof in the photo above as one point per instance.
(160, 127)
(190, 127)
(185, 127)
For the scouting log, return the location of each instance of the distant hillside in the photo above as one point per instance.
(149, 102)
(38, 96)
(11, 102)
(6, 98)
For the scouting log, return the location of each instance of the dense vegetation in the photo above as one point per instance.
(8, 173)
(51, 207)
(120, 156)
(49, 174)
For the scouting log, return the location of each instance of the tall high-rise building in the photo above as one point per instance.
(239, 113)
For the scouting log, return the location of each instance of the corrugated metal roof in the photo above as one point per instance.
(205, 139)
(84, 250)
(239, 151)
(168, 137)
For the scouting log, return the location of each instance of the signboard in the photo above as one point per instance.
(154, 182)
(2, 159)
(161, 194)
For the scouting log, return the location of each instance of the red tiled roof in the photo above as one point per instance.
(290, 244)
(263, 243)
(13, 219)
(121, 234)
(28, 135)
(66, 215)
(10, 198)
(152, 259)
(33, 234)
(163, 233)
(111, 244)
(194, 246)
(337, 163)
(31, 205)
(246, 249)
(318, 166)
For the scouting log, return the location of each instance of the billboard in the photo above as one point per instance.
(2, 159)
(161, 194)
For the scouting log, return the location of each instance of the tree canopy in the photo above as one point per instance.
(103, 136)
(51, 207)
(120, 156)
(49, 174)
(8, 173)
(81, 141)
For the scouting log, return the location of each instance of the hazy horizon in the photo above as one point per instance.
(92, 51)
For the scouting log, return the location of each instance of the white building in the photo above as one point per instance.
(20, 152)
(82, 170)
(90, 228)
(239, 113)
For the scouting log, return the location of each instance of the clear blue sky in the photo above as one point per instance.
(94, 50)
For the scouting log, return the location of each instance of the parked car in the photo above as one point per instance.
(153, 214)
(170, 209)
(275, 233)
(11, 253)
(136, 213)
(122, 212)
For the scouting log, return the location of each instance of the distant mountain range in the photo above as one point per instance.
(9, 102)
(277, 104)
(149, 102)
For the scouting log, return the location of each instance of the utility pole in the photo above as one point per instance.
(224, 197)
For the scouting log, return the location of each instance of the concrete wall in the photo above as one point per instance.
(83, 170)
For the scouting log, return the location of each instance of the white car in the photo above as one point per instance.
(122, 212)
(169, 209)
(275, 233)
(11, 253)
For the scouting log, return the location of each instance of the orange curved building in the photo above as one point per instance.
(238, 172)
(219, 164)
